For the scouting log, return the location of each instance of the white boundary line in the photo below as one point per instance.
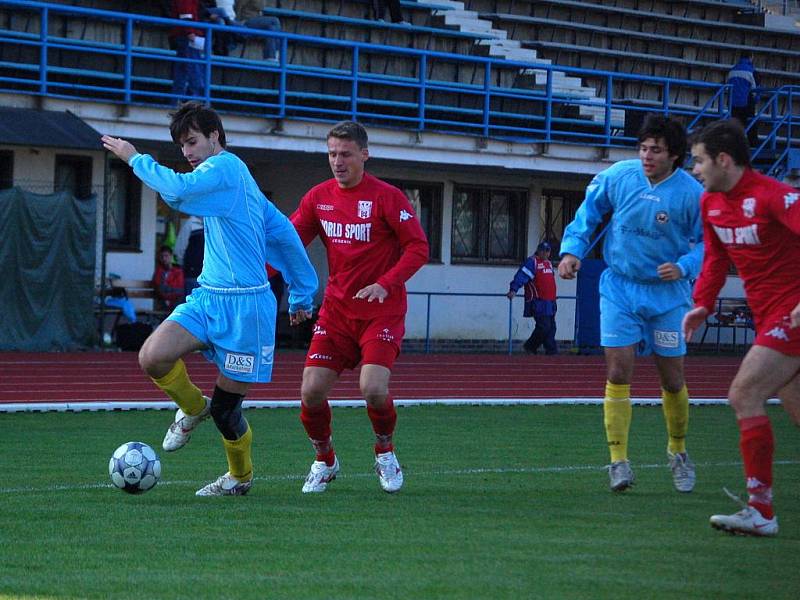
(431, 473)
(162, 405)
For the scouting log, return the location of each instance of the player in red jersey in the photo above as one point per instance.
(374, 244)
(753, 221)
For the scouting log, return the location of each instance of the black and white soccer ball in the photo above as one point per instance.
(134, 467)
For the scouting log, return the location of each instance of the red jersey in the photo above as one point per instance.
(371, 235)
(756, 226)
(168, 285)
(185, 10)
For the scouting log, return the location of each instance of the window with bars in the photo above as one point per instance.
(74, 175)
(489, 225)
(124, 200)
(558, 210)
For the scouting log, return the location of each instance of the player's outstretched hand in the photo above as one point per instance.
(372, 292)
(569, 266)
(795, 316)
(692, 321)
(119, 147)
(669, 272)
(298, 317)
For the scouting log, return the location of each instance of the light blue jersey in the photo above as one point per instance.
(243, 232)
(650, 225)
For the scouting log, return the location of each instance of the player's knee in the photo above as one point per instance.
(228, 418)
(374, 394)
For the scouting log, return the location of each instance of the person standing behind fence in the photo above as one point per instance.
(537, 276)
(188, 43)
(379, 9)
(251, 14)
(743, 78)
(752, 221)
(653, 248)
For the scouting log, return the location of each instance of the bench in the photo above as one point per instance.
(134, 289)
(733, 314)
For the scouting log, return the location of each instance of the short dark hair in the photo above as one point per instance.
(672, 132)
(726, 136)
(350, 130)
(165, 248)
(193, 115)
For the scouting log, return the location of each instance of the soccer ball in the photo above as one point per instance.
(134, 467)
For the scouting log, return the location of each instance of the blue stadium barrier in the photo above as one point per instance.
(140, 76)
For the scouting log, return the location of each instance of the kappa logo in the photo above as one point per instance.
(666, 339)
(662, 218)
(239, 363)
(318, 356)
(754, 483)
(386, 335)
(319, 330)
(364, 209)
(790, 199)
(405, 215)
(778, 333)
(749, 207)
(327, 207)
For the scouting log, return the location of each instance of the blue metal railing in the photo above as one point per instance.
(510, 301)
(286, 88)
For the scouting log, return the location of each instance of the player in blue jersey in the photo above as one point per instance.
(231, 316)
(653, 249)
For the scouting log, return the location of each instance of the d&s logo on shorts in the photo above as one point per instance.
(666, 339)
(239, 363)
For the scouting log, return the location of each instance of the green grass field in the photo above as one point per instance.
(499, 502)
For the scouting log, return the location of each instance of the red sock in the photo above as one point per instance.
(383, 422)
(317, 421)
(757, 444)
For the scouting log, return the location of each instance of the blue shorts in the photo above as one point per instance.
(650, 314)
(236, 326)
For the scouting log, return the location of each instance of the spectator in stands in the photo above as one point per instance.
(743, 78)
(222, 13)
(379, 10)
(653, 249)
(231, 317)
(168, 281)
(189, 251)
(188, 43)
(251, 14)
(753, 222)
(536, 274)
(374, 243)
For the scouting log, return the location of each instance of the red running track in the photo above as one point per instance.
(116, 377)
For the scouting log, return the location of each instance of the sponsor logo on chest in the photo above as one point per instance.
(749, 207)
(345, 233)
(746, 236)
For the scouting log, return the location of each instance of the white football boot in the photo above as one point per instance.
(389, 472)
(620, 476)
(227, 485)
(747, 521)
(320, 476)
(181, 429)
(683, 473)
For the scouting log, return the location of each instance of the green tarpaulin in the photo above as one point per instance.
(47, 262)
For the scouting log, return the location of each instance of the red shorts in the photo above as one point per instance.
(775, 332)
(340, 342)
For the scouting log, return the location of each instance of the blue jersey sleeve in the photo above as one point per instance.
(691, 262)
(595, 205)
(524, 274)
(195, 193)
(286, 253)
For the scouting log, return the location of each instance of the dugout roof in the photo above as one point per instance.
(32, 127)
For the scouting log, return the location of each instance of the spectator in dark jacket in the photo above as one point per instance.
(536, 274)
(743, 78)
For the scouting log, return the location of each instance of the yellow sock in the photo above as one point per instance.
(240, 459)
(676, 414)
(617, 419)
(177, 385)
